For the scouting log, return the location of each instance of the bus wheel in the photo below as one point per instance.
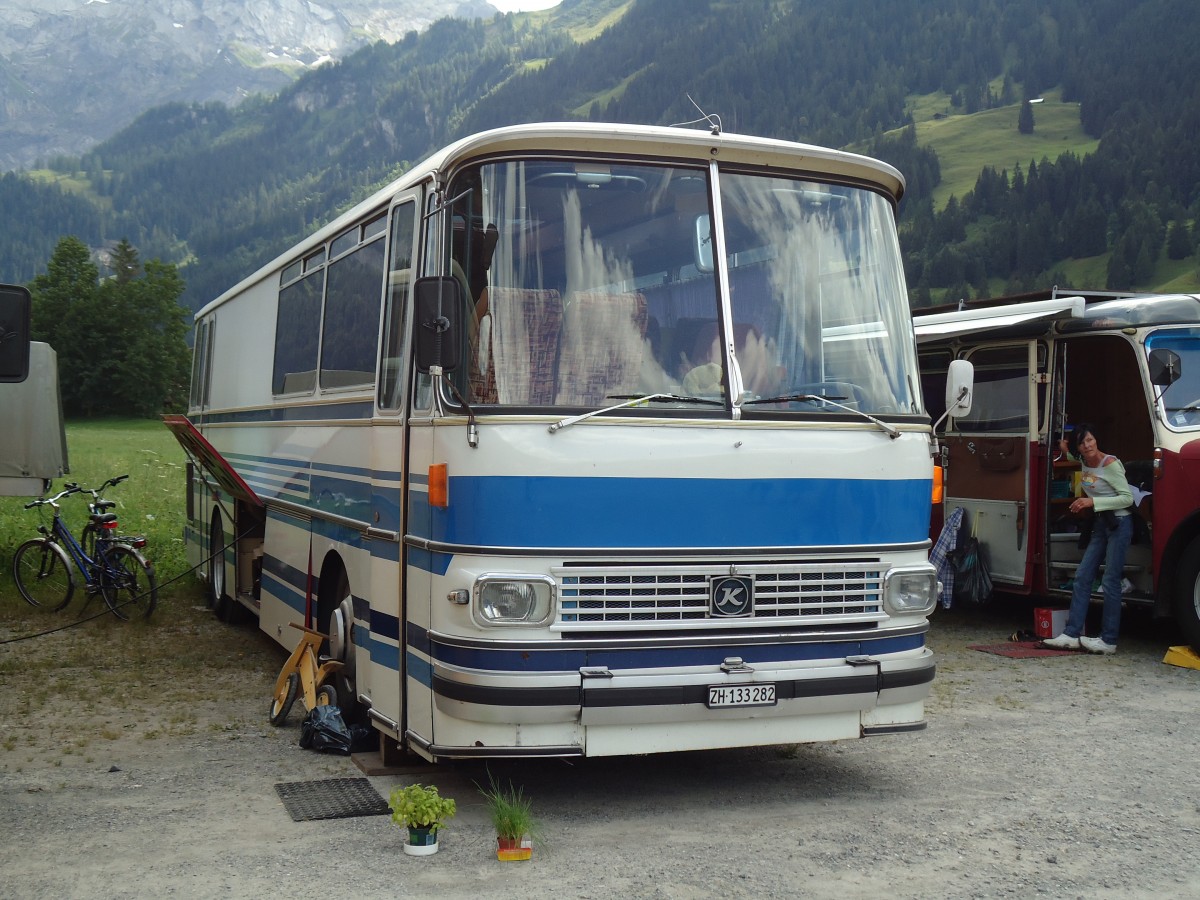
(227, 609)
(216, 564)
(341, 648)
(1187, 595)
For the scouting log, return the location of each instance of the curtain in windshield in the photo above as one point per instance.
(589, 283)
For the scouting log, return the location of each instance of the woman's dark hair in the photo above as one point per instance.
(1081, 429)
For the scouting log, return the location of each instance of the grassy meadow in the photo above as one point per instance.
(80, 680)
(150, 501)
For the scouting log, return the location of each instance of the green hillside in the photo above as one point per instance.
(967, 143)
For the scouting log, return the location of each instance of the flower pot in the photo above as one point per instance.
(421, 841)
(510, 849)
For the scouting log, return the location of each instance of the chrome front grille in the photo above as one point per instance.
(676, 596)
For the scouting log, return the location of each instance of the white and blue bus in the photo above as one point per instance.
(583, 440)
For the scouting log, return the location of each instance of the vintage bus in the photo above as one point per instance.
(1127, 364)
(583, 440)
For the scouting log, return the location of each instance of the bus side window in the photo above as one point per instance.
(296, 329)
(351, 317)
(399, 292)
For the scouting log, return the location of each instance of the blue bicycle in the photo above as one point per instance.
(43, 567)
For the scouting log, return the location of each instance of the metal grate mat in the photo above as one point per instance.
(333, 798)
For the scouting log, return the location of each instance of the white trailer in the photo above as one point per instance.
(33, 442)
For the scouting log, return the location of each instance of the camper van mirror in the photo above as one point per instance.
(703, 244)
(439, 304)
(1165, 367)
(960, 387)
(14, 333)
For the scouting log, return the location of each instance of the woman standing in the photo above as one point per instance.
(1108, 495)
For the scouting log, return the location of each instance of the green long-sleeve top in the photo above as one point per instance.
(1108, 486)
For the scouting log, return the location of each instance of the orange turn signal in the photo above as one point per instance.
(939, 491)
(439, 486)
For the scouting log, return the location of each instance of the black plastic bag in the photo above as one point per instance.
(972, 581)
(324, 729)
(363, 739)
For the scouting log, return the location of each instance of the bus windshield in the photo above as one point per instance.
(592, 282)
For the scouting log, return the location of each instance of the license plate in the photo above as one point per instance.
(726, 695)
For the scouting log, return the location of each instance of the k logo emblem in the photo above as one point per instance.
(732, 596)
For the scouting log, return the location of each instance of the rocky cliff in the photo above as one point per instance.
(72, 72)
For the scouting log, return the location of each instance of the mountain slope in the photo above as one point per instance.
(225, 189)
(72, 72)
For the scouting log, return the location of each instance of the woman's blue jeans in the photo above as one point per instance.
(1107, 546)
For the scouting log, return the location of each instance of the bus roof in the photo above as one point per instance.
(574, 137)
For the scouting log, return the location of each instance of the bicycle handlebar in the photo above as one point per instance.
(69, 489)
(112, 482)
(72, 487)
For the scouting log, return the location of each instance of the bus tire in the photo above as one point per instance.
(1187, 595)
(223, 605)
(216, 564)
(341, 647)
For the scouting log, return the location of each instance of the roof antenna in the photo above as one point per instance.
(713, 120)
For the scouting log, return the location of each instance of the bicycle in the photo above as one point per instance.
(304, 671)
(87, 537)
(42, 567)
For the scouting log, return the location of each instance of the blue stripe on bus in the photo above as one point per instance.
(531, 658)
(419, 669)
(547, 512)
(382, 654)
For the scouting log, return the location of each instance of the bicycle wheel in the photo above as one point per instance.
(87, 540)
(43, 574)
(281, 703)
(127, 582)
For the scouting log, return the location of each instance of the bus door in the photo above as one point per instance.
(1097, 380)
(989, 454)
(378, 639)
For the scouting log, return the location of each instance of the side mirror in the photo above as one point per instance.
(1165, 367)
(438, 302)
(702, 249)
(960, 387)
(15, 306)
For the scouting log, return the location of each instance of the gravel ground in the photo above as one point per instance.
(1066, 776)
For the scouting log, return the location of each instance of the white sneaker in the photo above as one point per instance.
(1097, 645)
(1063, 642)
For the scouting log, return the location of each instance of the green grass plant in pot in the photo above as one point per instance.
(422, 811)
(512, 816)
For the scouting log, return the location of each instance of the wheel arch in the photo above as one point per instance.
(1181, 538)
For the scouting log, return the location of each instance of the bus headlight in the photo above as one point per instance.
(513, 600)
(908, 591)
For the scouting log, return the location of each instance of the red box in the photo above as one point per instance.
(1048, 623)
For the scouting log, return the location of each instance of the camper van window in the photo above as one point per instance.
(1181, 400)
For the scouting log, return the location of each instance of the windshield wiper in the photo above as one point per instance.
(809, 398)
(630, 401)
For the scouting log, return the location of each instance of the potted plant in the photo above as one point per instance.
(512, 817)
(422, 811)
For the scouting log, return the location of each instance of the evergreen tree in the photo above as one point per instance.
(124, 262)
(1179, 242)
(1025, 118)
(121, 343)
